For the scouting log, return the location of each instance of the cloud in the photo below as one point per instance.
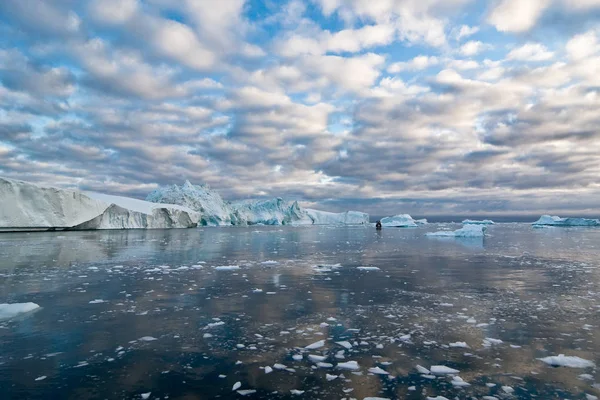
(583, 45)
(516, 15)
(531, 52)
(416, 64)
(473, 47)
(465, 31)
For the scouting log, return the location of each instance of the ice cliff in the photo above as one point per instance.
(29, 206)
(215, 211)
(547, 220)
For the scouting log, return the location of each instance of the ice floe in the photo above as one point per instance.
(467, 231)
(567, 361)
(11, 310)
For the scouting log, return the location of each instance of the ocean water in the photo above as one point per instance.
(149, 314)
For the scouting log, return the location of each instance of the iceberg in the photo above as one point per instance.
(346, 218)
(200, 198)
(399, 221)
(26, 206)
(547, 220)
(476, 222)
(215, 211)
(467, 231)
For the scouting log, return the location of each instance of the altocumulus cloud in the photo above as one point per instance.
(386, 106)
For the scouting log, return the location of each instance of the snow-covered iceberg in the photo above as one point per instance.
(547, 220)
(467, 231)
(27, 206)
(476, 222)
(399, 221)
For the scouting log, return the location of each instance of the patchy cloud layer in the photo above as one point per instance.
(387, 106)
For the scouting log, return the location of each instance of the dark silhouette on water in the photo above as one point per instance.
(378, 225)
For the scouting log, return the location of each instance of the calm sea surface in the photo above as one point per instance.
(149, 314)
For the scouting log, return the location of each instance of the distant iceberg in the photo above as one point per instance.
(11, 310)
(399, 221)
(476, 222)
(467, 231)
(215, 211)
(547, 220)
(26, 206)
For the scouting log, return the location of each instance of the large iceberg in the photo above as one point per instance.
(477, 222)
(399, 221)
(345, 218)
(547, 220)
(215, 211)
(201, 198)
(26, 206)
(467, 231)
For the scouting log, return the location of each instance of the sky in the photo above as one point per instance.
(445, 107)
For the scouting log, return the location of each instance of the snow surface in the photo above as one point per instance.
(29, 206)
(547, 220)
(467, 231)
(399, 221)
(8, 311)
(567, 361)
(476, 222)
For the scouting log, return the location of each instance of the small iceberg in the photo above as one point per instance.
(8, 311)
(399, 221)
(476, 222)
(547, 220)
(467, 231)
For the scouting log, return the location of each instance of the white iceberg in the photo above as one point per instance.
(215, 211)
(476, 222)
(467, 231)
(8, 311)
(26, 206)
(399, 221)
(345, 218)
(547, 220)
(567, 361)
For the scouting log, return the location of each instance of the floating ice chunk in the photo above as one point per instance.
(315, 358)
(40, 378)
(567, 361)
(246, 392)
(316, 345)
(236, 386)
(489, 398)
(367, 268)
(586, 377)
(297, 357)
(437, 398)
(227, 268)
(296, 392)
(459, 344)
(422, 370)
(268, 370)
(12, 310)
(457, 381)
(349, 365)
(508, 389)
(467, 231)
(377, 398)
(324, 365)
(399, 221)
(547, 220)
(207, 336)
(590, 397)
(214, 324)
(487, 342)
(378, 371)
(443, 370)
(147, 339)
(279, 366)
(146, 395)
(270, 262)
(476, 222)
(97, 301)
(330, 377)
